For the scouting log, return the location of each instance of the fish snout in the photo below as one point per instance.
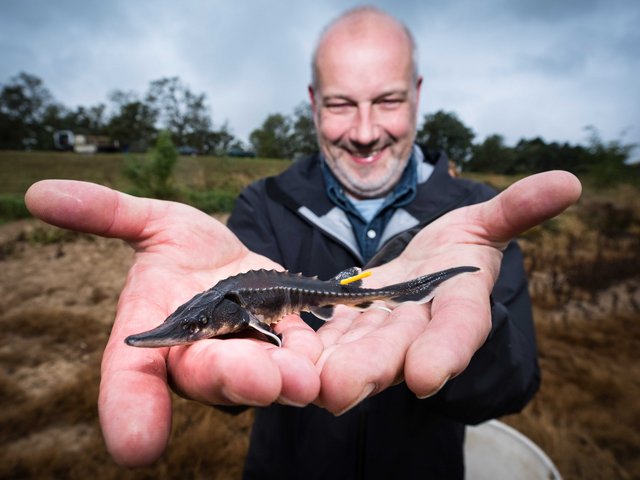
(172, 332)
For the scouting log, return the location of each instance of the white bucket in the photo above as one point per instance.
(495, 451)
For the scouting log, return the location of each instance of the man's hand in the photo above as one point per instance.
(427, 345)
(179, 252)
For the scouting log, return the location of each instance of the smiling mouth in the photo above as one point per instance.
(367, 157)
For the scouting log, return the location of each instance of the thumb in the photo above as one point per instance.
(527, 203)
(89, 208)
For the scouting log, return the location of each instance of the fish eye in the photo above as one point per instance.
(203, 320)
(191, 326)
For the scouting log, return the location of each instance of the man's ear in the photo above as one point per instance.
(418, 89)
(312, 98)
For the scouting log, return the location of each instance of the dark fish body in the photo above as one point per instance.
(258, 299)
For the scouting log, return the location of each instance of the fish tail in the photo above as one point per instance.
(421, 289)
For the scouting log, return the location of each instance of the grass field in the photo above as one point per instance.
(59, 291)
(210, 183)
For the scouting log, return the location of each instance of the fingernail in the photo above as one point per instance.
(290, 403)
(432, 393)
(384, 309)
(366, 391)
(238, 399)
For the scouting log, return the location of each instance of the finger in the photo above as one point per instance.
(88, 207)
(300, 380)
(250, 372)
(92, 208)
(134, 402)
(526, 203)
(461, 321)
(354, 370)
(332, 331)
(226, 372)
(299, 337)
(134, 406)
(301, 349)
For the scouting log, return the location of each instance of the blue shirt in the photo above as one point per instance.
(367, 227)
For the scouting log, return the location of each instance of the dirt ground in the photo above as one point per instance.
(58, 294)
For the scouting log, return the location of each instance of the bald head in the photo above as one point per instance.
(360, 28)
(364, 97)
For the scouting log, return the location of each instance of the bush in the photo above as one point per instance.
(153, 176)
(12, 208)
(213, 201)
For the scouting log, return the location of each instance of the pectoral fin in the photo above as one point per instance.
(325, 312)
(265, 329)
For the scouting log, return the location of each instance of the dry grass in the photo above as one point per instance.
(585, 284)
(57, 301)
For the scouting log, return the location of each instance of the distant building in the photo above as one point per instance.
(67, 140)
(63, 140)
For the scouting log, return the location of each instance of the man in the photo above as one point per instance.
(386, 394)
(335, 210)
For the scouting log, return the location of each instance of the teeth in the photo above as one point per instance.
(367, 155)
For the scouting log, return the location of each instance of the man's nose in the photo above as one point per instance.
(365, 130)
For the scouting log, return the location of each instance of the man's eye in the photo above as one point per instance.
(341, 107)
(389, 103)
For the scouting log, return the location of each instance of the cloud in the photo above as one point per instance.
(520, 69)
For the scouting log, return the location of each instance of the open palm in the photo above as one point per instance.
(181, 251)
(425, 345)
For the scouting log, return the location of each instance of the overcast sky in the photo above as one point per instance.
(519, 68)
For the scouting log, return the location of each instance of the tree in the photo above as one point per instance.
(492, 155)
(24, 102)
(89, 120)
(535, 155)
(531, 156)
(303, 140)
(132, 122)
(444, 131)
(217, 142)
(180, 111)
(608, 161)
(272, 140)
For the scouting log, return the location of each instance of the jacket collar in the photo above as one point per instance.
(303, 185)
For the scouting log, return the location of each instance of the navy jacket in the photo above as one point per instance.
(289, 219)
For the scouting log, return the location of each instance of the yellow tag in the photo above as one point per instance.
(355, 278)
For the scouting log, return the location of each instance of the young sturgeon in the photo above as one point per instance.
(258, 299)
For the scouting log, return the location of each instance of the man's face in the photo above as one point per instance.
(365, 107)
